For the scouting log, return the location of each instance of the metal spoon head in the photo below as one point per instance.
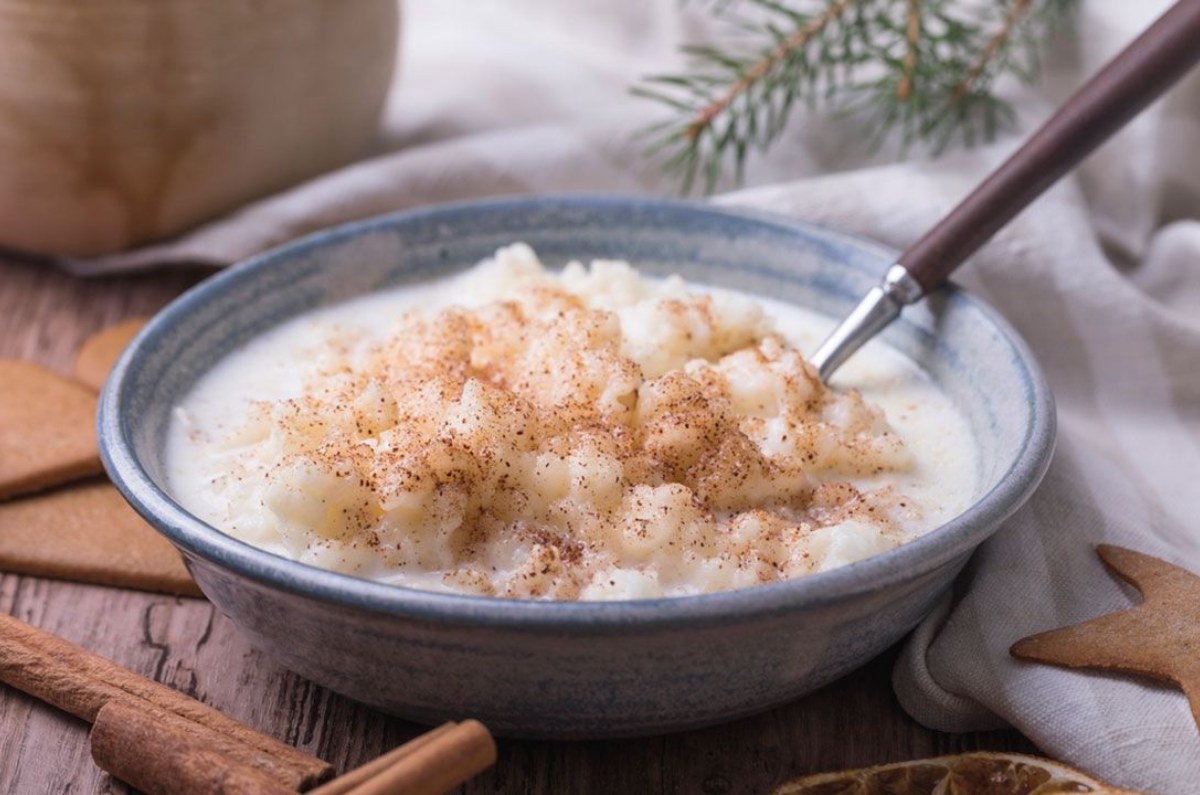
(878, 308)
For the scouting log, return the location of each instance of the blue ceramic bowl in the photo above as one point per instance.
(562, 669)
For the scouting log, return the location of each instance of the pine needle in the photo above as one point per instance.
(923, 71)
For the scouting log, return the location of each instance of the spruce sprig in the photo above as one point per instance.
(923, 69)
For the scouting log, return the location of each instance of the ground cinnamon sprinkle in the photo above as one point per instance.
(589, 435)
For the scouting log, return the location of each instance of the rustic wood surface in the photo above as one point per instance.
(44, 316)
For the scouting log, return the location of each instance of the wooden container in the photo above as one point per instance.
(124, 121)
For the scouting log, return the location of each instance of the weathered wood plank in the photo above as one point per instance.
(44, 316)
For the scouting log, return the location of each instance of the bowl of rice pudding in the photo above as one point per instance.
(560, 464)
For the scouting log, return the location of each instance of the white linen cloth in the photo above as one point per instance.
(1101, 277)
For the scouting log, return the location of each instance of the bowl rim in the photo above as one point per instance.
(926, 553)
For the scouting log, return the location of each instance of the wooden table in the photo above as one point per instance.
(186, 643)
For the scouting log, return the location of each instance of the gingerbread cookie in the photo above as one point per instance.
(1159, 638)
(47, 429)
(101, 351)
(87, 533)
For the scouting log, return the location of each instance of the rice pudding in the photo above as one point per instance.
(589, 434)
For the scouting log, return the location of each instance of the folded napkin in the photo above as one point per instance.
(1101, 277)
(1120, 345)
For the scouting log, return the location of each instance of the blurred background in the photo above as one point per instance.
(140, 133)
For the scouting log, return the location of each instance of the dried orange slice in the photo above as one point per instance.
(980, 773)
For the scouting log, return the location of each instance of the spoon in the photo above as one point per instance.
(1122, 89)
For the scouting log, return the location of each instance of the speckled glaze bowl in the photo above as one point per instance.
(582, 669)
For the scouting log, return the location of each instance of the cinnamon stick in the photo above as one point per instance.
(234, 749)
(81, 683)
(436, 766)
(131, 744)
(351, 779)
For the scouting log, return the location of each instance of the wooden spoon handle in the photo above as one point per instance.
(1130, 82)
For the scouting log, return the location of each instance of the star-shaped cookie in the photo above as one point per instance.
(1159, 638)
